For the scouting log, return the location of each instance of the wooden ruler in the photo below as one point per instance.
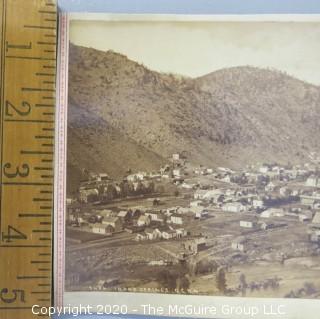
(28, 67)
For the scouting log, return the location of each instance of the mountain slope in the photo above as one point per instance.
(230, 117)
(96, 146)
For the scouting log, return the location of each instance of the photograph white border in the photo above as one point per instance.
(293, 308)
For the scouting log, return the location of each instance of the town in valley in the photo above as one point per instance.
(191, 229)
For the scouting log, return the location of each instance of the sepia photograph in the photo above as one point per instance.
(193, 157)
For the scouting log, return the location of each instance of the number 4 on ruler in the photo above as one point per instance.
(13, 233)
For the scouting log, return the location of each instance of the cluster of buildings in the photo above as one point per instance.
(268, 192)
(166, 233)
(99, 189)
(148, 223)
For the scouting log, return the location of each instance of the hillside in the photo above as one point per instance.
(123, 115)
(96, 146)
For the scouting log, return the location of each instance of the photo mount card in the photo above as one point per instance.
(187, 157)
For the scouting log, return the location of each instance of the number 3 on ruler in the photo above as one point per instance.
(24, 173)
(15, 293)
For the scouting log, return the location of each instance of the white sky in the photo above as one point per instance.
(198, 48)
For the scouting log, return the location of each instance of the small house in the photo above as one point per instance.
(180, 232)
(155, 216)
(168, 234)
(195, 245)
(172, 210)
(177, 172)
(105, 213)
(176, 156)
(239, 244)
(150, 233)
(115, 222)
(136, 177)
(187, 186)
(88, 195)
(201, 214)
(247, 224)
(313, 181)
(270, 187)
(257, 203)
(316, 219)
(264, 169)
(195, 203)
(102, 229)
(272, 212)
(305, 216)
(284, 191)
(234, 207)
(125, 215)
(144, 220)
(176, 219)
(102, 177)
(141, 237)
(212, 194)
(199, 194)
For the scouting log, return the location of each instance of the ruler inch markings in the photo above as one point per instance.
(45, 223)
(30, 58)
(24, 246)
(26, 152)
(41, 231)
(29, 121)
(48, 12)
(44, 105)
(42, 199)
(44, 136)
(39, 27)
(34, 215)
(29, 89)
(27, 183)
(45, 74)
(41, 292)
(46, 207)
(40, 262)
(32, 277)
(46, 43)
(27, 73)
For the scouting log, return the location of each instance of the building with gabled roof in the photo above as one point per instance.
(102, 229)
(313, 181)
(239, 244)
(176, 219)
(143, 220)
(316, 219)
(115, 222)
(125, 215)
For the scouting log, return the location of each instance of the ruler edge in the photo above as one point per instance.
(60, 159)
(2, 91)
(4, 7)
